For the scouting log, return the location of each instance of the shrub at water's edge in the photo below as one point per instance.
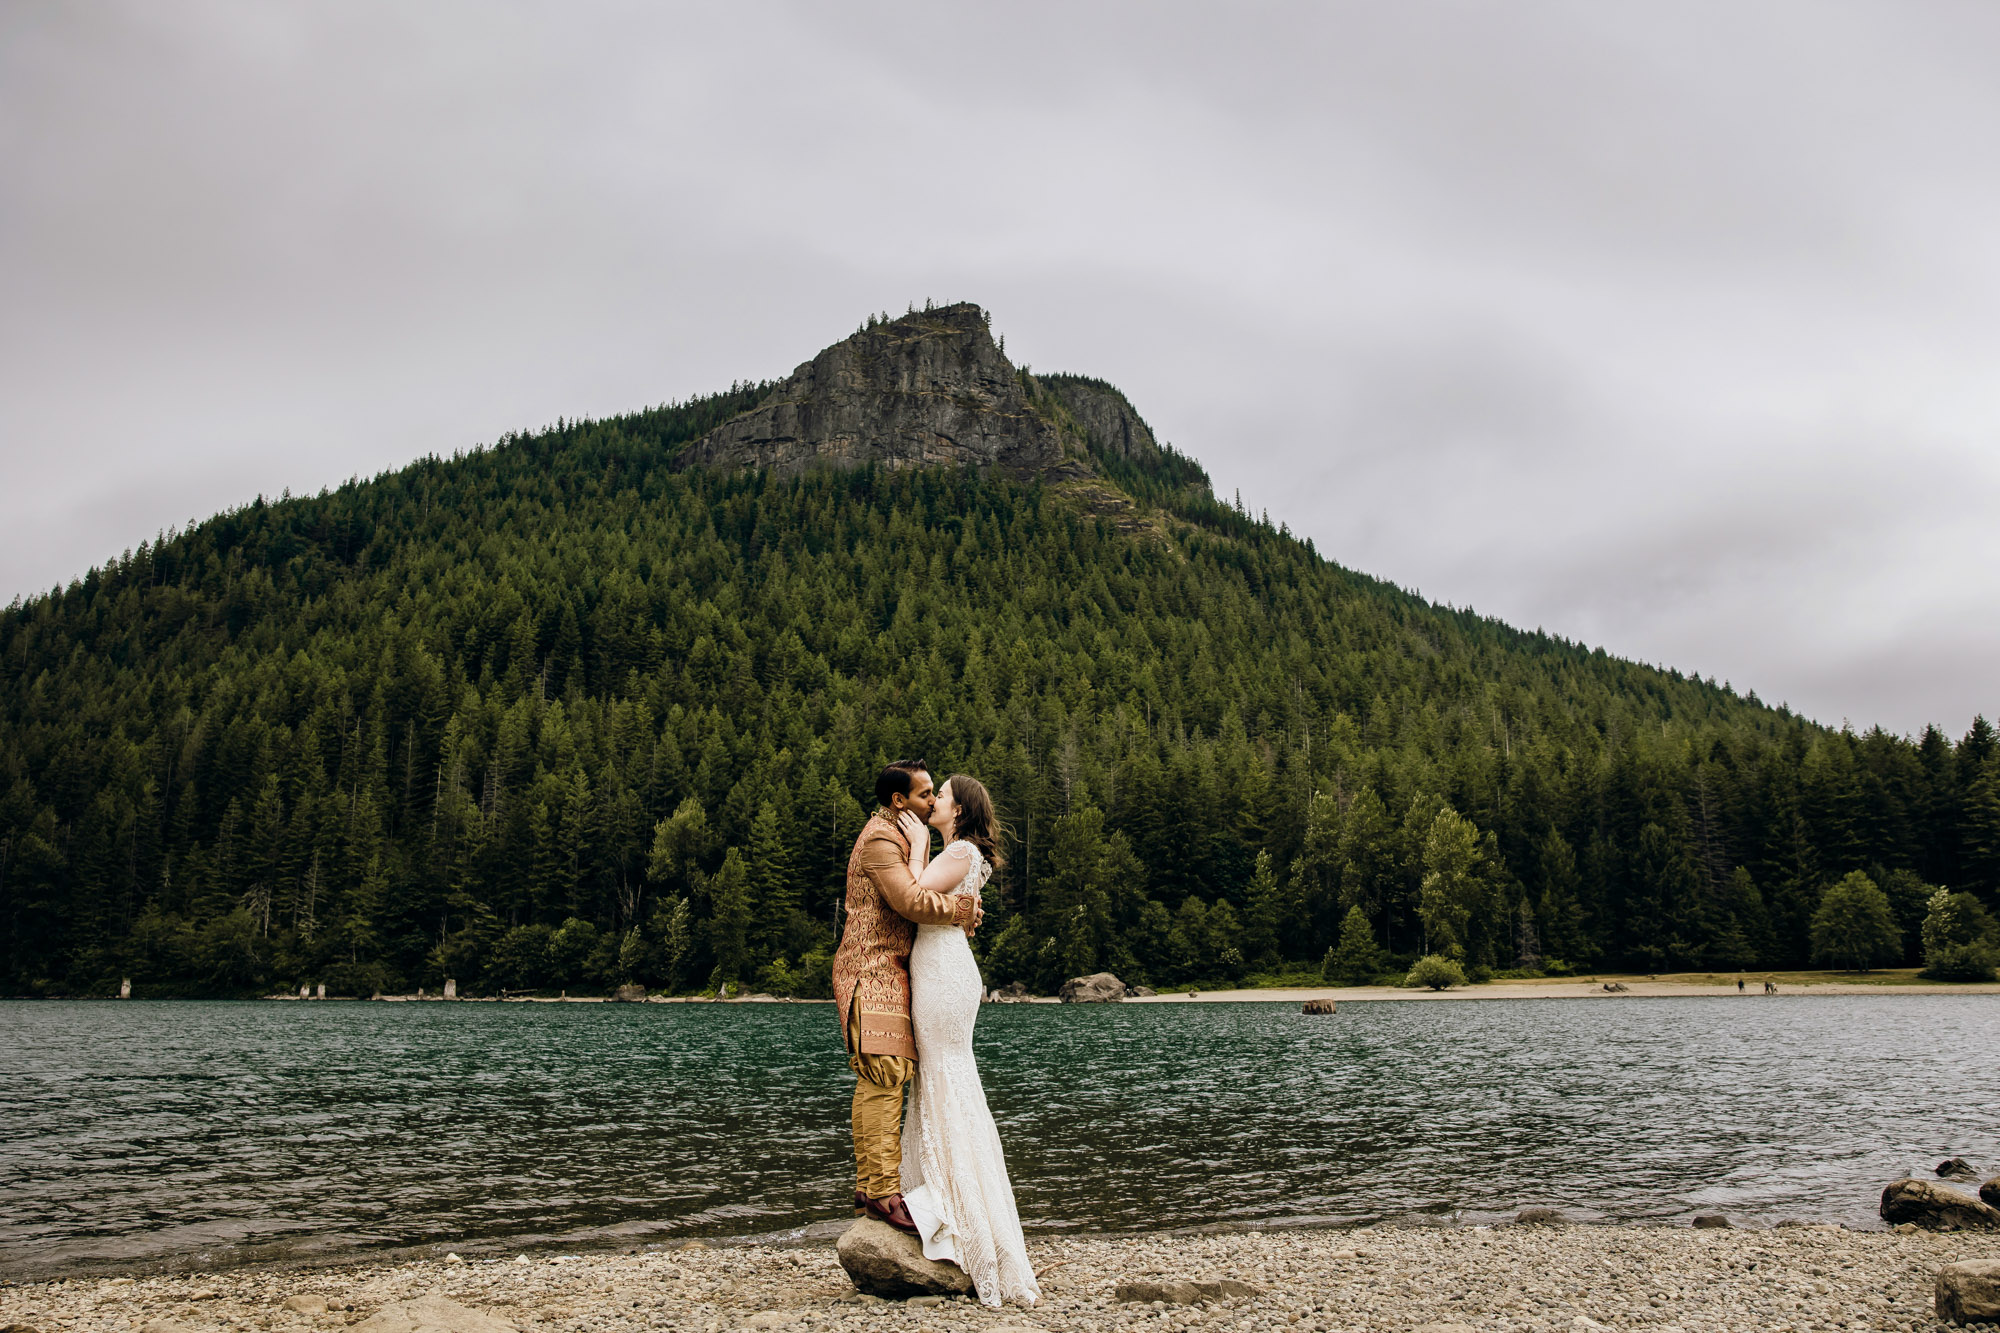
(1437, 972)
(1961, 939)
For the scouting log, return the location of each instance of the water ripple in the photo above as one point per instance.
(210, 1132)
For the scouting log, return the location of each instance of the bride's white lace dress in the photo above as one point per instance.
(954, 1175)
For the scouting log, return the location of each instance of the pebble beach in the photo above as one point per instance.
(1497, 1280)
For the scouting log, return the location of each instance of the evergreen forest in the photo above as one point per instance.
(553, 715)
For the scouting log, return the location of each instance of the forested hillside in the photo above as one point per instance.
(554, 714)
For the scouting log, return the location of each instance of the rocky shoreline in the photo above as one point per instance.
(1507, 1279)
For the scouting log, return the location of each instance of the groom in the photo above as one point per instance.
(871, 982)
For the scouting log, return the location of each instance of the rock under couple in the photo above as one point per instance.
(907, 991)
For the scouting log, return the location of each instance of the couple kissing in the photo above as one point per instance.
(907, 990)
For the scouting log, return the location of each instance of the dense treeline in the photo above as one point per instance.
(554, 715)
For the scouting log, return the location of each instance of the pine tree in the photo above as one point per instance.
(1564, 931)
(1368, 871)
(1979, 830)
(1453, 882)
(1355, 960)
(774, 889)
(729, 928)
(1262, 913)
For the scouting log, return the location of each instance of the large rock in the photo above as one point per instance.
(883, 1261)
(926, 390)
(1538, 1216)
(431, 1314)
(1968, 1292)
(1929, 1204)
(1990, 1192)
(1955, 1168)
(1097, 988)
(1183, 1291)
(629, 993)
(1014, 992)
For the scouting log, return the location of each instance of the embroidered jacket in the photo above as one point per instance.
(884, 907)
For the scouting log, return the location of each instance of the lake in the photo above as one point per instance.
(207, 1133)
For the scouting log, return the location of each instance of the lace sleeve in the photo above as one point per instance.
(974, 880)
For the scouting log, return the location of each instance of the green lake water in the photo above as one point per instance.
(186, 1134)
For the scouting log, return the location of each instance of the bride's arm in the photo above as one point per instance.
(948, 871)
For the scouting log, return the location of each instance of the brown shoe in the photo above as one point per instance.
(893, 1211)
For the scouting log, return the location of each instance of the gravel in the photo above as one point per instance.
(1568, 1278)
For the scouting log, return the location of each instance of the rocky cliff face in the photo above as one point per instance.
(929, 389)
(1114, 429)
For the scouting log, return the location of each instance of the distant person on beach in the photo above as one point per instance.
(907, 992)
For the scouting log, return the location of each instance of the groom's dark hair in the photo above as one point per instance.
(897, 779)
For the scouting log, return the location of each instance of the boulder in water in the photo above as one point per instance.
(1318, 1007)
(1968, 1292)
(1097, 988)
(882, 1261)
(1936, 1208)
(1990, 1192)
(1956, 1168)
(1014, 992)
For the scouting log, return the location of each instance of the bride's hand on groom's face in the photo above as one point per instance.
(918, 832)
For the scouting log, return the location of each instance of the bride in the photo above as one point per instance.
(954, 1175)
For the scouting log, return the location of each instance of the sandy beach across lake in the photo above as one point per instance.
(1581, 988)
(1508, 1279)
(1598, 986)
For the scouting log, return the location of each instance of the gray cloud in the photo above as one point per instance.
(1668, 329)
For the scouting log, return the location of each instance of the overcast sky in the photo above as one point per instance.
(1671, 328)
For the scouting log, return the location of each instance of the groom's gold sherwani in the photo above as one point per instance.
(871, 992)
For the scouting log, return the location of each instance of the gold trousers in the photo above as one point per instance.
(879, 1081)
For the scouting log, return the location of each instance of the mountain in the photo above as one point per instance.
(602, 702)
(929, 390)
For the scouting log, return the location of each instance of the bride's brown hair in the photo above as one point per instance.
(975, 821)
